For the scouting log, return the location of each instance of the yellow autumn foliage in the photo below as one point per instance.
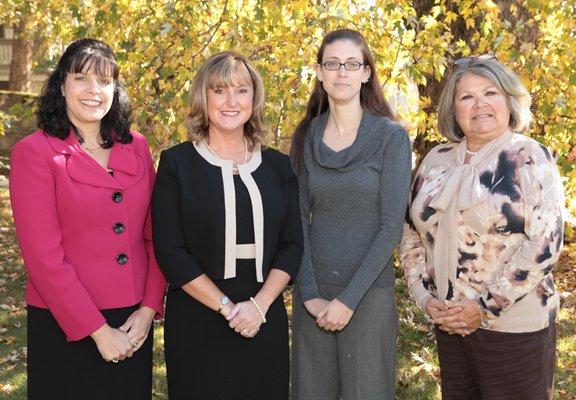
(161, 43)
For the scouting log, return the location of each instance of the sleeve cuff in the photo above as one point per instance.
(350, 300)
(308, 293)
(156, 305)
(488, 311)
(77, 335)
(420, 295)
(287, 262)
(177, 279)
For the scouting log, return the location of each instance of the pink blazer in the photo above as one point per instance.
(85, 235)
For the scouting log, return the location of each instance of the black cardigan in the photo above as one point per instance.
(188, 215)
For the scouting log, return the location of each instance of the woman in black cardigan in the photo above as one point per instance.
(227, 235)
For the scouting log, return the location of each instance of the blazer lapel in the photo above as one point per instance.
(127, 166)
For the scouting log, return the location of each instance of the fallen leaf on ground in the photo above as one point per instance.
(6, 389)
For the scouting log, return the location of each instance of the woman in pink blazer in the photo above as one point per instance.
(80, 191)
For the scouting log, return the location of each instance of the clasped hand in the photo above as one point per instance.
(119, 344)
(455, 317)
(244, 318)
(330, 315)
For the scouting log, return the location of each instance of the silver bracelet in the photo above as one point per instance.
(259, 309)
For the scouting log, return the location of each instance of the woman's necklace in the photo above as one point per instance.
(471, 153)
(234, 166)
(85, 146)
(91, 150)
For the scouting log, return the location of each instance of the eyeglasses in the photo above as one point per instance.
(334, 65)
(471, 59)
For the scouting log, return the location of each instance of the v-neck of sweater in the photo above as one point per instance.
(347, 158)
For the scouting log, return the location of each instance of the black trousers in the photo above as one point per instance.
(489, 365)
(58, 369)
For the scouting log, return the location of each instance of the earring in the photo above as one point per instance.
(365, 80)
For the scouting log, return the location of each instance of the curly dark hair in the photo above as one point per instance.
(81, 55)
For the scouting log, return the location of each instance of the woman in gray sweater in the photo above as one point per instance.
(353, 162)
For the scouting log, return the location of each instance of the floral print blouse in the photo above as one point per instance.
(489, 229)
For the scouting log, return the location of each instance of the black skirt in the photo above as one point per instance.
(207, 360)
(58, 369)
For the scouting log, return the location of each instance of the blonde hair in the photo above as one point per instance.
(225, 69)
(517, 96)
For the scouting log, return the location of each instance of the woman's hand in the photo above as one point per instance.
(245, 319)
(227, 309)
(437, 309)
(113, 344)
(137, 326)
(314, 306)
(463, 323)
(335, 316)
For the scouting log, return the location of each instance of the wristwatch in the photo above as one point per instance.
(223, 301)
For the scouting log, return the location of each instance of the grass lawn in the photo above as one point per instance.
(418, 372)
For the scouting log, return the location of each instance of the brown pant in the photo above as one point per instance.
(489, 365)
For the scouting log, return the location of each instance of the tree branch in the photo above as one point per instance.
(277, 128)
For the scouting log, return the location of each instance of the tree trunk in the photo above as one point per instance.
(21, 66)
(433, 87)
(518, 15)
(513, 11)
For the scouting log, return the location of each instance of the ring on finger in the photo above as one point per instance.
(244, 332)
(115, 360)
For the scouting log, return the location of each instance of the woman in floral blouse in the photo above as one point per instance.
(484, 231)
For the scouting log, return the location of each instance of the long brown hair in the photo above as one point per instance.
(371, 97)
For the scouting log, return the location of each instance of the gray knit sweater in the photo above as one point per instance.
(353, 204)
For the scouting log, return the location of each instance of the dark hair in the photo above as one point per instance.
(79, 56)
(371, 97)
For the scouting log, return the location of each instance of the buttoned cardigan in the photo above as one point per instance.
(193, 213)
(84, 234)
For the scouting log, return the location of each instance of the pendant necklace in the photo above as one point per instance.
(91, 150)
(83, 144)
